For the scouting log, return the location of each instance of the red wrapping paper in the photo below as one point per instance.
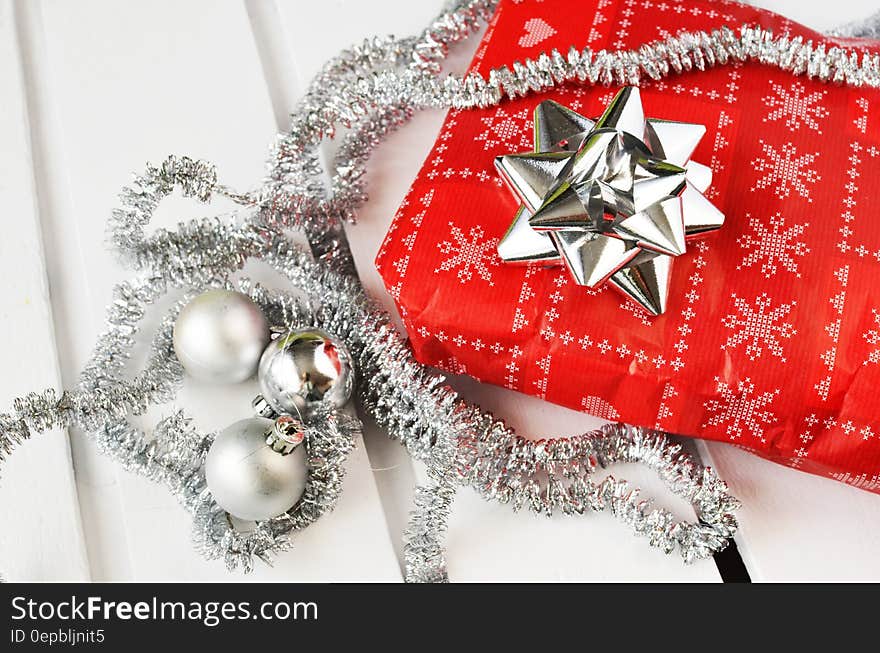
(772, 335)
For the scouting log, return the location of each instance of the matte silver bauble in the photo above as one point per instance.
(305, 368)
(220, 335)
(248, 478)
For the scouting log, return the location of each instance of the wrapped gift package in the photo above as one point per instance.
(771, 334)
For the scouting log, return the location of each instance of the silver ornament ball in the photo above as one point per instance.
(249, 479)
(303, 369)
(220, 335)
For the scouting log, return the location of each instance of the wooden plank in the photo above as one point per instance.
(485, 541)
(133, 83)
(100, 506)
(42, 537)
(795, 527)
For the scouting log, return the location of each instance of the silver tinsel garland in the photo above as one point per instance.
(369, 91)
(460, 444)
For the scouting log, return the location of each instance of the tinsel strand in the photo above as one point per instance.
(364, 92)
(175, 454)
(867, 28)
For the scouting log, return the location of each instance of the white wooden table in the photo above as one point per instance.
(93, 89)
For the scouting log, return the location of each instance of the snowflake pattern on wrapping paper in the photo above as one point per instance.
(855, 195)
(794, 107)
(596, 31)
(513, 132)
(468, 254)
(861, 122)
(832, 330)
(760, 325)
(453, 365)
(872, 336)
(630, 307)
(741, 409)
(541, 384)
(598, 407)
(669, 392)
(785, 171)
(862, 481)
(773, 245)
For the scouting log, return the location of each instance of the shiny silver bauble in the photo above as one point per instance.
(248, 478)
(303, 369)
(220, 335)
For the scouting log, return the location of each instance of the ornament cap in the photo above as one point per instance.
(286, 434)
(263, 408)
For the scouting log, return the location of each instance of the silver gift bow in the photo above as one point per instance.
(614, 199)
